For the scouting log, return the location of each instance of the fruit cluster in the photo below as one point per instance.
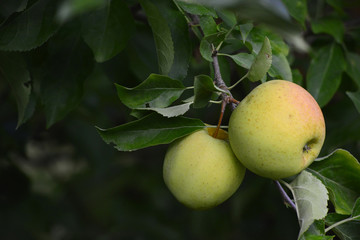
(276, 132)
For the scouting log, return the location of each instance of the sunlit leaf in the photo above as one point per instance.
(151, 130)
(310, 196)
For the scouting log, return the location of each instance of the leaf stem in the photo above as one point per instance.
(285, 196)
(234, 85)
(227, 34)
(339, 223)
(215, 102)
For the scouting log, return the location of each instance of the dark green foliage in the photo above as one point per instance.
(69, 65)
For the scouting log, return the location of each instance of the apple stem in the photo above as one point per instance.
(285, 196)
(223, 105)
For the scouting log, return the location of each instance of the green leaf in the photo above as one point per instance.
(316, 231)
(244, 60)
(206, 50)
(261, 63)
(356, 210)
(14, 70)
(172, 111)
(311, 198)
(349, 230)
(297, 9)
(156, 91)
(274, 14)
(355, 97)
(340, 173)
(63, 74)
(162, 36)
(149, 131)
(353, 67)
(180, 36)
(208, 25)
(9, 7)
(245, 29)
(337, 5)
(256, 39)
(204, 89)
(318, 237)
(280, 68)
(331, 26)
(31, 28)
(297, 76)
(108, 29)
(141, 53)
(227, 16)
(324, 74)
(225, 70)
(71, 8)
(197, 9)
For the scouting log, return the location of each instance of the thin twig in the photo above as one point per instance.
(286, 197)
(219, 82)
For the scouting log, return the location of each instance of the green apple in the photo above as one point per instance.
(202, 171)
(277, 130)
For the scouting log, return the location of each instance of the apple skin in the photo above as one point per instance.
(277, 130)
(202, 171)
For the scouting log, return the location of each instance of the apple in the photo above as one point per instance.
(277, 130)
(202, 171)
